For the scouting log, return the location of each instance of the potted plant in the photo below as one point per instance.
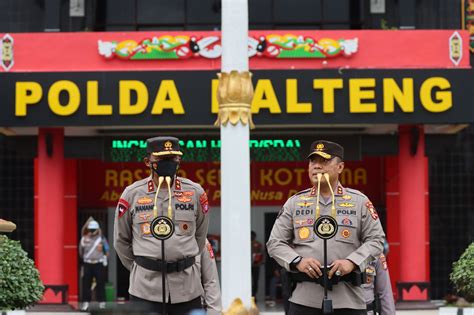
(462, 277)
(20, 285)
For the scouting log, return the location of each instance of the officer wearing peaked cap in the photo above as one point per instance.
(186, 204)
(294, 244)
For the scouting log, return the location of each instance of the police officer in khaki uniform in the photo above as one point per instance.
(378, 285)
(210, 281)
(359, 239)
(93, 251)
(185, 202)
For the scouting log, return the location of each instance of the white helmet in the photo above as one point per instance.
(93, 225)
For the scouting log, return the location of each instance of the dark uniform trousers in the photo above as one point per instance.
(297, 309)
(154, 308)
(96, 271)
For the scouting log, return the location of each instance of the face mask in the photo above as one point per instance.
(165, 167)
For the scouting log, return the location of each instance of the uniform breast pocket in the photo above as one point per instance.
(184, 222)
(347, 234)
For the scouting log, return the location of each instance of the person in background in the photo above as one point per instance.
(378, 289)
(257, 261)
(210, 281)
(93, 251)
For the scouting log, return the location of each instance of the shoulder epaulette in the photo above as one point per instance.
(138, 183)
(355, 192)
(302, 192)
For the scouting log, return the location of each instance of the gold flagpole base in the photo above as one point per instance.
(238, 308)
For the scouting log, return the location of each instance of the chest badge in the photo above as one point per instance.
(162, 228)
(304, 233)
(325, 227)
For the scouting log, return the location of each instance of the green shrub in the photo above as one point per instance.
(20, 285)
(462, 275)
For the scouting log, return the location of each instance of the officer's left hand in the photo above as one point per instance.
(345, 267)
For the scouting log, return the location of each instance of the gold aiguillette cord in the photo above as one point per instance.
(318, 192)
(155, 207)
(170, 210)
(333, 207)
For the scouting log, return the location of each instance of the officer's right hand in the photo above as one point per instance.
(310, 266)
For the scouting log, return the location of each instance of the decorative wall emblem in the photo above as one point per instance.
(6, 51)
(268, 46)
(455, 48)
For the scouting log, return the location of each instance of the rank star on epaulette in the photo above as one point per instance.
(177, 184)
(150, 186)
(346, 205)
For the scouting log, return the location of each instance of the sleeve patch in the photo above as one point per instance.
(210, 250)
(383, 261)
(371, 209)
(122, 206)
(204, 203)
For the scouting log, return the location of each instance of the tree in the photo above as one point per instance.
(462, 275)
(20, 285)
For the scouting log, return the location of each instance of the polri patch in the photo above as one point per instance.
(123, 206)
(383, 260)
(371, 209)
(210, 250)
(204, 203)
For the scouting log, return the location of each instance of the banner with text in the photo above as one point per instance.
(100, 184)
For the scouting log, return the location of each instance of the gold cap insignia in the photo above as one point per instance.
(168, 145)
(320, 147)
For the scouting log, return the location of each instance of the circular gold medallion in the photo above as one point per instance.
(325, 227)
(162, 228)
(304, 233)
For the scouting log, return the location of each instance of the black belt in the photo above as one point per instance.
(374, 306)
(370, 306)
(356, 278)
(171, 266)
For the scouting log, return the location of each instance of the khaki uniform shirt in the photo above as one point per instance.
(359, 238)
(95, 253)
(210, 281)
(383, 288)
(132, 237)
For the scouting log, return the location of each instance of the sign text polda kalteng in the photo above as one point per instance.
(65, 98)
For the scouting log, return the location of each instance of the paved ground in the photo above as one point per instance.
(118, 309)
